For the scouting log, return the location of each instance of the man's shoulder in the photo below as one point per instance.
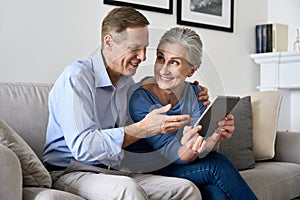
(79, 66)
(80, 69)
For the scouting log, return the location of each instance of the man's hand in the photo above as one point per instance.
(155, 122)
(203, 95)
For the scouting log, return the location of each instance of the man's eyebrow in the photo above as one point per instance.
(137, 46)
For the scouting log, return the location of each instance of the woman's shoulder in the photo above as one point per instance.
(138, 84)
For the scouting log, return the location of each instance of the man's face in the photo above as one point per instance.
(129, 53)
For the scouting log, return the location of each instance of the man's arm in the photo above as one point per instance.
(74, 116)
(155, 122)
(203, 94)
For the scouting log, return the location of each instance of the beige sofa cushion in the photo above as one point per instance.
(265, 111)
(33, 171)
(274, 180)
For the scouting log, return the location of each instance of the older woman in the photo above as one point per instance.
(185, 153)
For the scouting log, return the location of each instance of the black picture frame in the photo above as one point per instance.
(210, 14)
(162, 6)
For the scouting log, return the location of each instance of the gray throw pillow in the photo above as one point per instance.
(239, 147)
(33, 171)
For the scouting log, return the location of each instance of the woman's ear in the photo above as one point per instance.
(193, 69)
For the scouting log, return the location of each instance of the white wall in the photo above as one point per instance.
(38, 38)
(286, 12)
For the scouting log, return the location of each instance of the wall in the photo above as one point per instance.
(286, 12)
(38, 38)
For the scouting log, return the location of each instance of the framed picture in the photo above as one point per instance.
(162, 6)
(211, 14)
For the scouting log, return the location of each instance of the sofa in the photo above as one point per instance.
(274, 173)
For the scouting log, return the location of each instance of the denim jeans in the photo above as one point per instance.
(214, 175)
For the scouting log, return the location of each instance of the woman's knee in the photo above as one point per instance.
(221, 159)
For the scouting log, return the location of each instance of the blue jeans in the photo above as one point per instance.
(214, 175)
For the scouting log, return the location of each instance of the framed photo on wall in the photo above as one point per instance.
(162, 6)
(210, 14)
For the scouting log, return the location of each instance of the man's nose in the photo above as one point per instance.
(141, 54)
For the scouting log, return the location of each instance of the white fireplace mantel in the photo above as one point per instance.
(281, 71)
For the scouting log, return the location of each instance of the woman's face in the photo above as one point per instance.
(171, 66)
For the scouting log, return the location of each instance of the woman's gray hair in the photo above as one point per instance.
(187, 38)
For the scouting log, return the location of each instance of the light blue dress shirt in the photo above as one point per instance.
(84, 109)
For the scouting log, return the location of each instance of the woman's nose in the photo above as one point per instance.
(164, 68)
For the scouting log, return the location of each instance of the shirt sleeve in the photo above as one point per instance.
(87, 141)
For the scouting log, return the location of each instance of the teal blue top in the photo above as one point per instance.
(143, 101)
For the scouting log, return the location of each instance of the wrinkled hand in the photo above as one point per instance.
(157, 122)
(226, 127)
(203, 95)
(195, 143)
(191, 136)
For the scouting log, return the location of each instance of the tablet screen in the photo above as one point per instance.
(216, 111)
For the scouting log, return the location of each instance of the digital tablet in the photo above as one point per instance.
(216, 111)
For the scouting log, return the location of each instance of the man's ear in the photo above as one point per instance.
(107, 41)
(194, 68)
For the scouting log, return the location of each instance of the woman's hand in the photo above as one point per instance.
(194, 144)
(226, 127)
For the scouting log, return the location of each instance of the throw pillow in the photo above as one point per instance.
(265, 107)
(33, 171)
(238, 148)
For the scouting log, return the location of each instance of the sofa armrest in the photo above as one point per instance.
(10, 175)
(287, 147)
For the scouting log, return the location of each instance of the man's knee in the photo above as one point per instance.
(188, 190)
(128, 188)
(101, 186)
